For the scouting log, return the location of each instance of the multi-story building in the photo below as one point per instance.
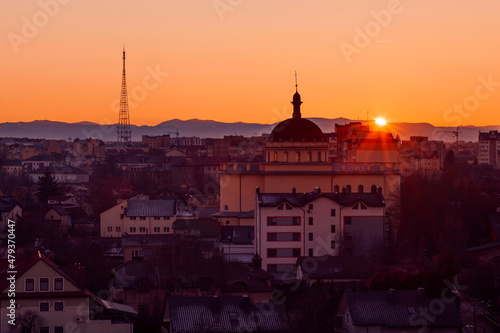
(139, 216)
(156, 142)
(290, 225)
(297, 156)
(422, 154)
(55, 302)
(489, 147)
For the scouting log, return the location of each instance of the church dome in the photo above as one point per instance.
(296, 129)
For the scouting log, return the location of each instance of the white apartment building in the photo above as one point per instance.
(289, 225)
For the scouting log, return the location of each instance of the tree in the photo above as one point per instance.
(28, 322)
(47, 186)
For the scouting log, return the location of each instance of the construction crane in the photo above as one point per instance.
(455, 133)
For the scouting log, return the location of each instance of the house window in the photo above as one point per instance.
(58, 306)
(332, 245)
(157, 229)
(336, 189)
(168, 217)
(132, 229)
(332, 212)
(226, 207)
(309, 157)
(356, 206)
(142, 218)
(311, 236)
(59, 329)
(332, 228)
(29, 284)
(283, 220)
(285, 156)
(166, 229)
(288, 207)
(142, 229)
(275, 156)
(348, 188)
(283, 253)
(110, 229)
(310, 221)
(121, 216)
(132, 218)
(157, 217)
(360, 189)
(311, 252)
(363, 206)
(311, 206)
(297, 157)
(280, 207)
(135, 253)
(374, 189)
(44, 284)
(319, 156)
(118, 229)
(44, 306)
(58, 283)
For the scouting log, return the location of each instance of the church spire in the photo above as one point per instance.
(296, 101)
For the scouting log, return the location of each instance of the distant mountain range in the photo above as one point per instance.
(213, 129)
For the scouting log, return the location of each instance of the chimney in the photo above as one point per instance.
(391, 295)
(317, 189)
(294, 190)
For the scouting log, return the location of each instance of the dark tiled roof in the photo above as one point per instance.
(242, 215)
(398, 308)
(137, 207)
(11, 163)
(301, 199)
(334, 267)
(60, 209)
(224, 314)
(7, 204)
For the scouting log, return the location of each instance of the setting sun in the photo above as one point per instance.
(380, 121)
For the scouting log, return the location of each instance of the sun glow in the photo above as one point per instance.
(380, 121)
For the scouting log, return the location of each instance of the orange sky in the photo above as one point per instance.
(234, 60)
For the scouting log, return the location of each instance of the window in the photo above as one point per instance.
(142, 229)
(110, 229)
(157, 218)
(168, 217)
(309, 157)
(283, 253)
(142, 218)
(44, 306)
(332, 212)
(311, 206)
(58, 283)
(374, 189)
(283, 220)
(121, 216)
(336, 189)
(348, 220)
(166, 229)
(310, 221)
(297, 157)
(285, 156)
(332, 245)
(44, 329)
(59, 329)
(311, 252)
(332, 228)
(319, 156)
(280, 207)
(29, 284)
(360, 189)
(135, 253)
(288, 207)
(348, 188)
(275, 156)
(311, 236)
(226, 207)
(363, 206)
(283, 237)
(44, 284)
(58, 306)
(118, 228)
(133, 218)
(356, 206)
(132, 229)
(157, 229)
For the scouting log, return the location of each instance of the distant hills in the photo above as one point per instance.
(214, 129)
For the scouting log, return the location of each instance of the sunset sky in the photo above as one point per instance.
(234, 60)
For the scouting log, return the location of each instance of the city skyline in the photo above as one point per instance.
(235, 60)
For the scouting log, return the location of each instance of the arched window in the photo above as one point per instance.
(380, 190)
(348, 188)
(297, 157)
(319, 156)
(336, 189)
(374, 189)
(309, 156)
(275, 156)
(285, 156)
(360, 189)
